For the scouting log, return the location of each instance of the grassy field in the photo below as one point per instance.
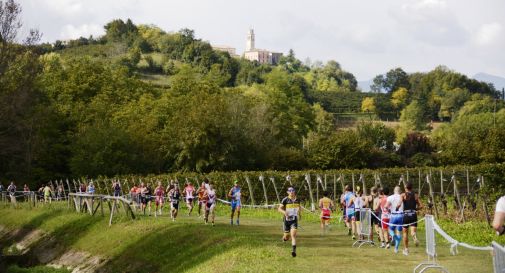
(151, 244)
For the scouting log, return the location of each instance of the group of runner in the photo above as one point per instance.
(392, 216)
(143, 195)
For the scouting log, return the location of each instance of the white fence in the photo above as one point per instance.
(498, 258)
(365, 228)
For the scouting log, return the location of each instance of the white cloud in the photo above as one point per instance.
(85, 30)
(64, 7)
(489, 34)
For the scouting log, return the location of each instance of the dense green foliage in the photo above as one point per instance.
(142, 100)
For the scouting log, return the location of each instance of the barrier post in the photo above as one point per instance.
(498, 258)
(365, 230)
(431, 250)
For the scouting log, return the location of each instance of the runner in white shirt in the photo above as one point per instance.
(210, 197)
(395, 206)
(499, 216)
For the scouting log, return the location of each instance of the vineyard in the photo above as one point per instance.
(459, 191)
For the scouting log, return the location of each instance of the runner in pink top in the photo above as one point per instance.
(189, 192)
(159, 194)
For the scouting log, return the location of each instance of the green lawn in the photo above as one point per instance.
(151, 244)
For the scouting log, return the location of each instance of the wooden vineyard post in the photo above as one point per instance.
(112, 212)
(484, 201)
(341, 178)
(317, 187)
(325, 184)
(276, 191)
(432, 196)
(442, 193)
(456, 193)
(362, 178)
(419, 183)
(250, 190)
(312, 205)
(262, 179)
(335, 186)
(353, 183)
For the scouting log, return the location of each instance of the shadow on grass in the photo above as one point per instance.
(180, 248)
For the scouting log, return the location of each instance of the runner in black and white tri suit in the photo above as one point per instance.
(290, 209)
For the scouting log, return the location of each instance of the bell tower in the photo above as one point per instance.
(250, 40)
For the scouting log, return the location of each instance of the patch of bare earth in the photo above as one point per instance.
(46, 250)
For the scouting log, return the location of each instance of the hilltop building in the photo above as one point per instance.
(231, 50)
(262, 56)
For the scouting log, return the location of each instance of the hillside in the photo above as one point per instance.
(159, 245)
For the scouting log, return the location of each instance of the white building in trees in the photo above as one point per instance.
(262, 56)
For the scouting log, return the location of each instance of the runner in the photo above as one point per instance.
(26, 192)
(149, 196)
(189, 192)
(350, 218)
(159, 193)
(134, 196)
(358, 205)
(142, 192)
(60, 194)
(499, 216)
(11, 189)
(82, 188)
(234, 194)
(1, 187)
(201, 200)
(91, 188)
(290, 209)
(326, 205)
(411, 204)
(395, 206)
(175, 197)
(170, 186)
(375, 219)
(384, 216)
(47, 194)
(210, 198)
(116, 187)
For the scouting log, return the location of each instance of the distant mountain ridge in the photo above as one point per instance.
(497, 81)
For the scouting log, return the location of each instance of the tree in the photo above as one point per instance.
(394, 79)
(399, 98)
(119, 31)
(368, 105)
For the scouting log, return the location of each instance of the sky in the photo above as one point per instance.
(367, 37)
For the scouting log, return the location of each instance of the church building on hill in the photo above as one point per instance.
(262, 56)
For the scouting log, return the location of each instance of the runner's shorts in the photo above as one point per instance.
(290, 224)
(189, 200)
(396, 219)
(325, 214)
(159, 200)
(210, 206)
(385, 223)
(235, 204)
(357, 214)
(349, 215)
(410, 219)
(374, 220)
(174, 205)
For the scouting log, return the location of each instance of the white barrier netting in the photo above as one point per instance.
(498, 258)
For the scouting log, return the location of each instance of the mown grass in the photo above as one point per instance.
(150, 244)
